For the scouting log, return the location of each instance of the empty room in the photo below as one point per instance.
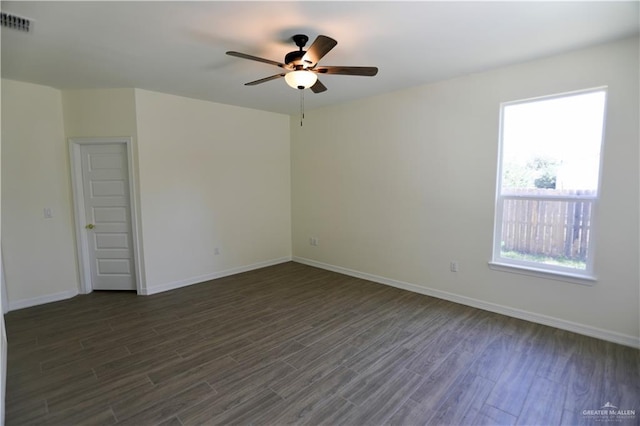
(320, 213)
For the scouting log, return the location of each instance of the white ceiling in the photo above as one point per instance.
(179, 47)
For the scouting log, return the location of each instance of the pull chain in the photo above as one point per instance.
(301, 106)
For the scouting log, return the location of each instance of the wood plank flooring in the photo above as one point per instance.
(292, 344)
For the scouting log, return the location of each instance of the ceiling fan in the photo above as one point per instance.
(302, 66)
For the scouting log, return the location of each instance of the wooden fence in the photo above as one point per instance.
(548, 227)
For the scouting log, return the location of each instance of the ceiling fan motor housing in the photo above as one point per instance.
(295, 58)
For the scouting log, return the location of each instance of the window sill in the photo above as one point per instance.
(541, 273)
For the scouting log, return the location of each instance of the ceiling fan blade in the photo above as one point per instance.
(264, 80)
(363, 71)
(318, 87)
(255, 58)
(320, 47)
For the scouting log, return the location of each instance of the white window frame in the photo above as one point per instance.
(555, 272)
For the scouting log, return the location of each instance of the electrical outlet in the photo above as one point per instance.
(313, 241)
(216, 251)
(453, 266)
(48, 214)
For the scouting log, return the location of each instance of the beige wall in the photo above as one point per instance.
(3, 304)
(399, 185)
(99, 113)
(39, 254)
(211, 176)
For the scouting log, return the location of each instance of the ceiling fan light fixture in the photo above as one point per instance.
(301, 79)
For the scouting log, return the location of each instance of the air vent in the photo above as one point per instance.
(14, 22)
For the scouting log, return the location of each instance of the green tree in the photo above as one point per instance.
(545, 169)
(539, 172)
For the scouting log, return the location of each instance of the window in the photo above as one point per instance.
(547, 186)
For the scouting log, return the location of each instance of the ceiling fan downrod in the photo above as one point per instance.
(295, 58)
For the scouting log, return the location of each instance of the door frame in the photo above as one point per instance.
(82, 241)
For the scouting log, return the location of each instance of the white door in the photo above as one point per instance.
(105, 183)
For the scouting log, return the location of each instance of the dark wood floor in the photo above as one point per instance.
(295, 344)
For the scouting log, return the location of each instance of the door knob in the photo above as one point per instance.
(90, 226)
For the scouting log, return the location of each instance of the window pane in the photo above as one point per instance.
(546, 231)
(550, 166)
(553, 144)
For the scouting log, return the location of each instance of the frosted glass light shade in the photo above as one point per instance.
(301, 79)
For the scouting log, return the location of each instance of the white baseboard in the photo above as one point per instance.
(196, 280)
(41, 300)
(586, 330)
